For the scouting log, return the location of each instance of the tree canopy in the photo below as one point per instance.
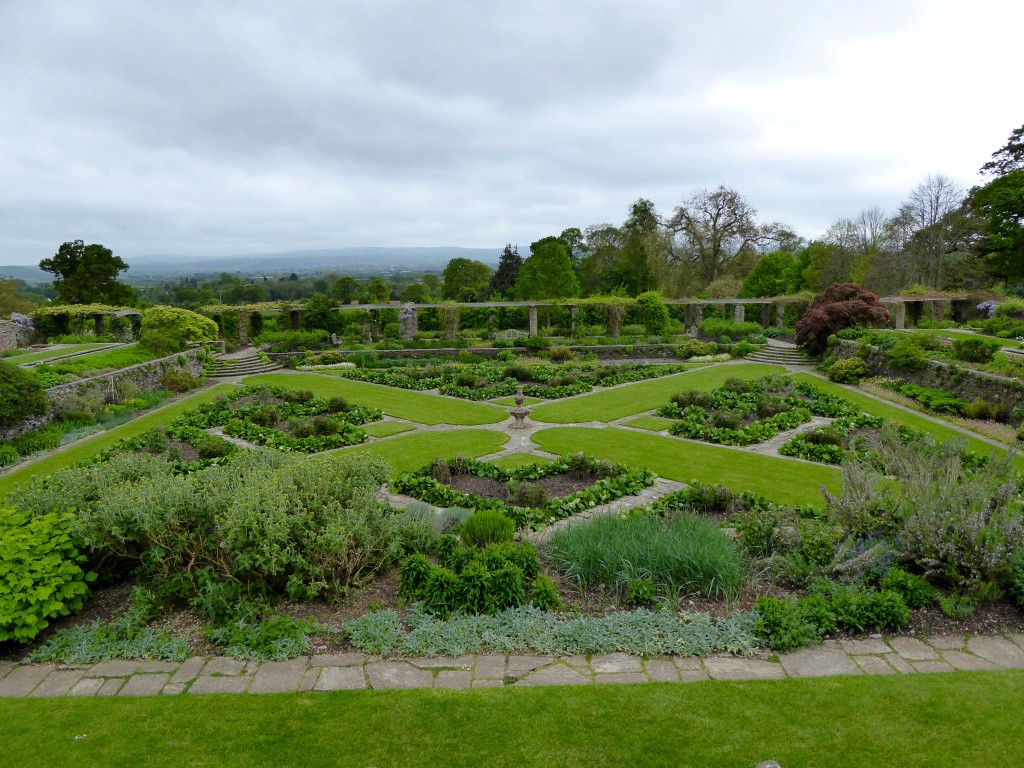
(87, 274)
(466, 280)
(505, 277)
(999, 206)
(547, 273)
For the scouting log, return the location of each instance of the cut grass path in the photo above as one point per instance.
(413, 451)
(617, 402)
(956, 720)
(876, 407)
(96, 443)
(401, 403)
(47, 354)
(782, 480)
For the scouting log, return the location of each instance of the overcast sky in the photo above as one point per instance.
(218, 128)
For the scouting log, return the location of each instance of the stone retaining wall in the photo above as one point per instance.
(963, 382)
(146, 376)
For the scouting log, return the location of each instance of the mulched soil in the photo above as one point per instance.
(556, 486)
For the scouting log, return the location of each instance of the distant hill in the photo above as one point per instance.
(354, 261)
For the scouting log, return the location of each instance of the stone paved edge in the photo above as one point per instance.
(356, 671)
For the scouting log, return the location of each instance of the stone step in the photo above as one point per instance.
(242, 366)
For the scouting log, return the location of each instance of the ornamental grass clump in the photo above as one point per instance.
(685, 553)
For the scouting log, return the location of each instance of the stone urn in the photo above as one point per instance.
(519, 413)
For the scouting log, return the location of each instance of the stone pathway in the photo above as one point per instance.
(356, 671)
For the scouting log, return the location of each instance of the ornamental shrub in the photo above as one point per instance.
(487, 527)
(908, 354)
(166, 330)
(849, 370)
(841, 305)
(653, 313)
(972, 350)
(21, 395)
(40, 572)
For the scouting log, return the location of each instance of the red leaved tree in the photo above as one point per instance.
(841, 305)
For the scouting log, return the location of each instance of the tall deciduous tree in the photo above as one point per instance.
(713, 228)
(927, 209)
(999, 206)
(547, 273)
(87, 274)
(466, 280)
(505, 277)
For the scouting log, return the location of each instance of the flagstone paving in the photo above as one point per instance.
(356, 671)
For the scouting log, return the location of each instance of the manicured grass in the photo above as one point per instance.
(514, 460)
(119, 357)
(46, 354)
(98, 442)
(652, 423)
(415, 450)
(779, 479)
(401, 403)
(614, 403)
(954, 720)
(954, 332)
(877, 407)
(512, 401)
(385, 428)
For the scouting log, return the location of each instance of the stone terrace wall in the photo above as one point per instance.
(963, 382)
(146, 376)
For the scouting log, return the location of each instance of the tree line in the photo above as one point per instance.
(712, 245)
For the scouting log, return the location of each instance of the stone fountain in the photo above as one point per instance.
(519, 413)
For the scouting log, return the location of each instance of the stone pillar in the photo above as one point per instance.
(243, 329)
(698, 314)
(533, 319)
(98, 320)
(899, 316)
(739, 313)
(408, 322)
(780, 316)
(766, 315)
(572, 315)
(293, 315)
(367, 331)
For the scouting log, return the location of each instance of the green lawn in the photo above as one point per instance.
(952, 333)
(118, 357)
(515, 460)
(782, 480)
(46, 354)
(385, 428)
(877, 407)
(625, 400)
(652, 423)
(415, 450)
(101, 440)
(401, 403)
(953, 720)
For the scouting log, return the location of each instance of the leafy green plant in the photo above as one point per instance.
(40, 572)
(21, 395)
(907, 354)
(275, 638)
(544, 594)
(849, 370)
(784, 624)
(975, 350)
(916, 592)
(487, 527)
(683, 553)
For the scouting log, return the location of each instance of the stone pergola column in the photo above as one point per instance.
(367, 328)
(533, 319)
(293, 316)
(899, 316)
(572, 320)
(739, 313)
(98, 320)
(766, 315)
(243, 328)
(780, 316)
